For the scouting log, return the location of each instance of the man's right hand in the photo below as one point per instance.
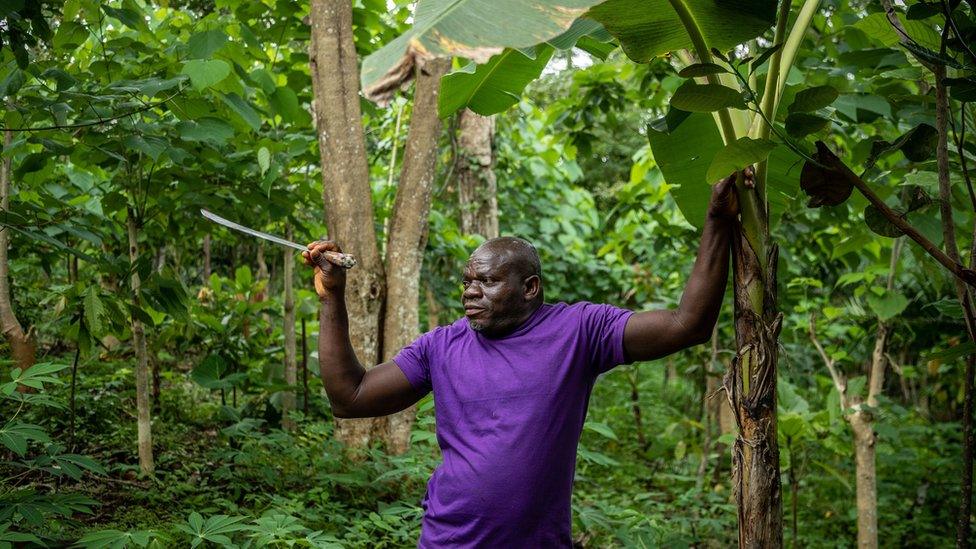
(330, 280)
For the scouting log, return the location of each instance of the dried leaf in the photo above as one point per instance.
(824, 187)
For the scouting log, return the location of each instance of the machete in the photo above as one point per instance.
(336, 258)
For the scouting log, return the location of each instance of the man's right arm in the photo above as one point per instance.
(353, 390)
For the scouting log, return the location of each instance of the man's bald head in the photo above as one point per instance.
(514, 252)
(502, 285)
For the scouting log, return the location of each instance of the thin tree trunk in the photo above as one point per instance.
(709, 415)
(71, 401)
(866, 481)
(476, 178)
(206, 259)
(345, 182)
(407, 236)
(288, 398)
(21, 344)
(433, 309)
(304, 369)
(794, 492)
(635, 408)
(965, 504)
(142, 357)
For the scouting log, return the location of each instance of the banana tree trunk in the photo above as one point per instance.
(143, 422)
(751, 383)
(21, 344)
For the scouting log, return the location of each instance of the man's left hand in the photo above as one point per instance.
(724, 203)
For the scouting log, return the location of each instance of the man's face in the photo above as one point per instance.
(494, 296)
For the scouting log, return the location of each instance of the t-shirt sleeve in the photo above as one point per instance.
(604, 329)
(414, 361)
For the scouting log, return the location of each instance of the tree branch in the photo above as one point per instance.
(826, 157)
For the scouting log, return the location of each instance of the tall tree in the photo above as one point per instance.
(21, 344)
(407, 236)
(477, 189)
(349, 208)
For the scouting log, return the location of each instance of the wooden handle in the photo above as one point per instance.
(338, 259)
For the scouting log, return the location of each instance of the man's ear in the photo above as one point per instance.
(531, 287)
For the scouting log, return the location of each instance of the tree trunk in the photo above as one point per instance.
(288, 397)
(476, 178)
(345, 182)
(206, 259)
(965, 503)
(142, 357)
(750, 382)
(866, 481)
(433, 308)
(21, 345)
(407, 236)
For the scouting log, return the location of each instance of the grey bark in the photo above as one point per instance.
(407, 236)
(345, 182)
(477, 188)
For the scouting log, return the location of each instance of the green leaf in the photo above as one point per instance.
(814, 98)
(962, 89)
(580, 29)
(264, 80)
(801, 124)
(701, 69)
(211, 373)
(69, 36)
(473, 29)
(212, 130)
(284, 102)
(694, 97)
(494, 86)
(601, 429)
(952, 353)
(683, 155)
(264, 159)
(649, 28)
(94, 311)
(204, 73)
(737, 155)
(919, 143)
(17, 434)
(129, 15)
(12, 83)
(879, 224)
(242, 109)
(203, 44)
(764, 56)
(889, 305)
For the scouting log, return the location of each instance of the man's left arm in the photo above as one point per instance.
(654, 334)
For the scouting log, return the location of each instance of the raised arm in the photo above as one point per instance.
(353, 390)
(654, 334)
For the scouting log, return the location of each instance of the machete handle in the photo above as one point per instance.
(338, 259)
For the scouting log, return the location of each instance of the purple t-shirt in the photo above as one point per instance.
(509, 414)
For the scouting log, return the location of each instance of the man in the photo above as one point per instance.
(512, 380)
